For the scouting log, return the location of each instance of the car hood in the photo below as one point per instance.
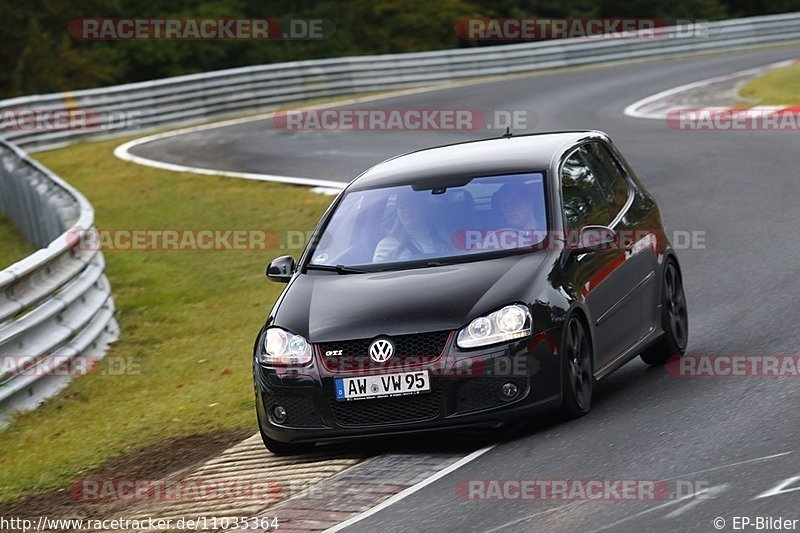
(326, 307)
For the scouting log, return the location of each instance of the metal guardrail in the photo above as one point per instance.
(55, 305)
(200, 97)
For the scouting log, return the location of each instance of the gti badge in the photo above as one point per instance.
(381, 350)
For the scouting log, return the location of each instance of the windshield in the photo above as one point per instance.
(399, 224)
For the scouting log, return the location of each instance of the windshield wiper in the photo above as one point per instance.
(339, 269)
(415, 265)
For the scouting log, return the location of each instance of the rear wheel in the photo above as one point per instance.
(578, 380)
(674, 318)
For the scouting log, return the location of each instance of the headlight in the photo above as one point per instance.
(284, 348)
(509, 323)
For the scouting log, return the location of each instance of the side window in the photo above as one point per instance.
(583, 198)
(608, 174)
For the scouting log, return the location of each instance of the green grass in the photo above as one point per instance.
(188, 318)
(12, 246)
(776, 87)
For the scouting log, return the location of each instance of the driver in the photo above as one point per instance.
(517, 205)
(519, 220)
(415, 233)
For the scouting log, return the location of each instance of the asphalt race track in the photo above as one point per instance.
(739, 187)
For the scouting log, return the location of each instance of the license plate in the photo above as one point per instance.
(382, 386)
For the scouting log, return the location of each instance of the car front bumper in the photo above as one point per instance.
(465, 393)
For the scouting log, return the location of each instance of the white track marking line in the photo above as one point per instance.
(768, 108)
(724, 487)
(780, 489)
(763, 110)
(657, 507)
(712, 492)
(729, 465)
(411, 490)
(123, 150)
(633, 110)
(122, 153)
(688, 474)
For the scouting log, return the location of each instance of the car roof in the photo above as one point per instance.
(518, 153)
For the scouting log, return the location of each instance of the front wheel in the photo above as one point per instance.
(674, 319)
(577, 380)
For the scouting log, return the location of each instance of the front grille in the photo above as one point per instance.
(300, 410)
(379, 411)
(408, 349)
(475, 394)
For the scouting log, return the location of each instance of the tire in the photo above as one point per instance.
(674, 318)
(577, 377)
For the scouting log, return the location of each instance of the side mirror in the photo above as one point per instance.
(281, 269)
(595, 238)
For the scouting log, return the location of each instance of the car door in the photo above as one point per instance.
(637, 238)
(601, 278)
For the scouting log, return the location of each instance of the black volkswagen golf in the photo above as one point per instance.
(468, 286)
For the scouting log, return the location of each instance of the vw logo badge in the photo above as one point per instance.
(381, 350)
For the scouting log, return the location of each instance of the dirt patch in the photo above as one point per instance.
(166, 459)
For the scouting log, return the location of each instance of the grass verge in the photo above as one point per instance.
(776, 87)
(188, 319)
(12, 246)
